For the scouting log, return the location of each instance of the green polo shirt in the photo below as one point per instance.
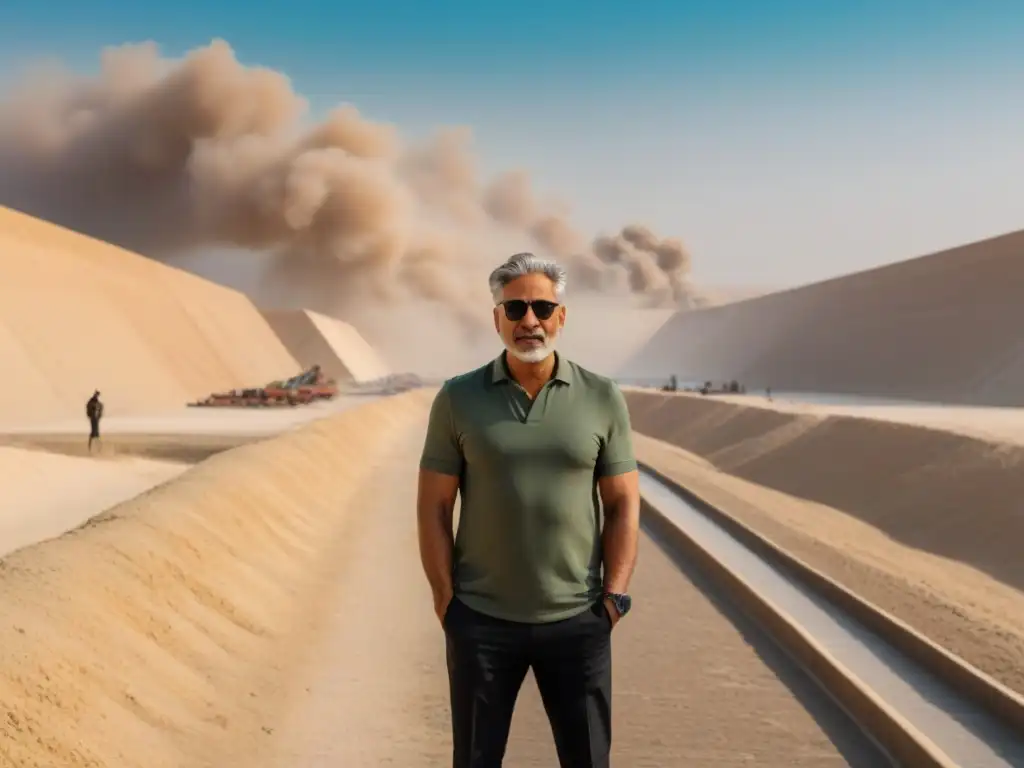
(528, 546)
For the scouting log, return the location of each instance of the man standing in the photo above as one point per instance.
(536, 445)
(94, 410)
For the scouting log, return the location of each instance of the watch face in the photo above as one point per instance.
(622, 603)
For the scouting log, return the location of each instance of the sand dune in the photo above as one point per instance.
(944, 327)
(140, 638)
(336, 346)
(937, 513)
(77, 314)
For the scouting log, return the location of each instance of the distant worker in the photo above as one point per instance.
(536, 445)
(94, 410)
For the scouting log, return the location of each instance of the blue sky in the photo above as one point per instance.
(784, 141)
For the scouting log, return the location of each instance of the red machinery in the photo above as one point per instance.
(309, 386)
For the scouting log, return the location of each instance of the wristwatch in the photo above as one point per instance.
(622, 603)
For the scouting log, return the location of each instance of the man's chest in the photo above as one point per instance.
(540, 435)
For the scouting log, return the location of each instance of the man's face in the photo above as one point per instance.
(529, 338)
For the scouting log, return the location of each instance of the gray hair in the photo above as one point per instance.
(520, 264)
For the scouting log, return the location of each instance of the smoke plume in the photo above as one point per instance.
(655, 268)
(173, 157)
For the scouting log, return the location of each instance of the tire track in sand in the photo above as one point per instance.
(691, 687)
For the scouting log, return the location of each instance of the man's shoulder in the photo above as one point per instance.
(463, 383)
(592, 381)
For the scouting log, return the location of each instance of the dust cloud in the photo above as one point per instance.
(174, 158)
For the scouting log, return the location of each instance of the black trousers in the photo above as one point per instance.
(94, 428)
(572, 663)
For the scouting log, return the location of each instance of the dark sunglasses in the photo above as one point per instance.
(515, 309)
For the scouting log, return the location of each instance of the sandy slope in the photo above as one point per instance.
(691, 689)
(77, 314)
(601, 335)
(267, 608)
(988, 423)
(151, 635)
(944, 327)
(925, 522)
(336, 346)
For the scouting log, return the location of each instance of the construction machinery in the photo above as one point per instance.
(308, 387)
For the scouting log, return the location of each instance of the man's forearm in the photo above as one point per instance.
(437, 544)
(619, 541)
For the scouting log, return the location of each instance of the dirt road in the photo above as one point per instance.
(694, 685)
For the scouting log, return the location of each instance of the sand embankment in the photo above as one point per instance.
(992, 424)
(923, 521)
(78, 314)
(153, 634)
(944, 327)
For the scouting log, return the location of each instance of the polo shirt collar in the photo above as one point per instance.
(499, 370)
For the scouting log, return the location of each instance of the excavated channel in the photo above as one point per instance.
(966, 733)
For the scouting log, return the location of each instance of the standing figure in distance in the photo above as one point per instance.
(94, 410)
(537, 576)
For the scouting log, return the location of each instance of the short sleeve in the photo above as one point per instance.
(616, 456)
(441, 450)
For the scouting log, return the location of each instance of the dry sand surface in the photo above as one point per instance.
(266, 608)
(943, 327)
(999, 424)
(691, 687)
(253, 422)
(181, 449)
(926, 523)
(45, 494)
(158, 633)
(337, 347)
(77, 314)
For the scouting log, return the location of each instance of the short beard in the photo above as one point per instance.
(535, 355)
